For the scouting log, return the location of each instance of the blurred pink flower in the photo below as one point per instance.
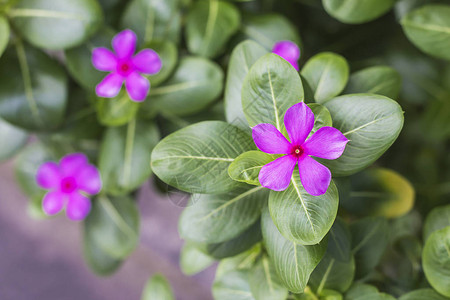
(327, 143)
(66, 183)
(289, 51)
(124, 67)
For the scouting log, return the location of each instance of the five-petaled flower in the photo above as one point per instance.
(125, 67)
(326, 142)
(66, 183)
(289, 51)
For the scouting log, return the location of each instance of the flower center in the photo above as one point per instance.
(297, 151)
(68, 185)
(124, 68)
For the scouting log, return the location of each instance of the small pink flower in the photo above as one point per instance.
(289, 51)
(327, 143)
(125, 67)
(66, 183)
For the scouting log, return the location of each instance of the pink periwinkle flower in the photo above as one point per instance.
(68, 182)
(326, 142)
(124, 67)
(289, 51)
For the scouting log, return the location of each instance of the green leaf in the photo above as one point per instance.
(195, 84)
(361, 291)
(322, 117)
(233, 285)
(380, 80)
(327, 74)
(271, 87)
(124, 156)
(218, 218)
(193, 260)
(265, 283)
(437, 219)
(157, 288)
(114, 225)
(372, 123)
(153, 20)
(116, 111)
(209, 26)
(243, 261)
(168, 52)
(242, 58)
(428, 294)
(429, 29)
(58, 24)
(246, 167)
(379, 192)
(195, 159)
(13, 139)
(436, 260)
(293, 263)
(300, 217)
(370, 237)
(268, 29)
(33, 89)
(4, 34)
(357, 11)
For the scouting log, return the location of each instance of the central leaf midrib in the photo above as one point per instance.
(303, 204)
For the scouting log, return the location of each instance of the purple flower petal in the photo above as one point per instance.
(104, 59)
(72, 164)
(299, 121)
(277, 174)
(268, 139)
(53, 202)
(88, 180)
(48, 175)
(110, 86)
(327, 142)
(124, 43)
(147, 61)
(78, 207)
(289, 51)
(137, 86)
(315, 177)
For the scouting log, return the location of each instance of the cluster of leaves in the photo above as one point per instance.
(361, 240)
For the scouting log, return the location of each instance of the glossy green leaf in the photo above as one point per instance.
(380, 80)
(362, 291)
(195, 159)
(370, 237)
(14, 139)
(242, 59)
(437, 219)
(271, 87)
(293, 263)
(422, 294)
(157, 288)
(209, 26)
(218, 218)
(153, 20)
(116, 111)
(58, 24)
(372, 123)
(268, 29)
(125, 155)
(436, 260)
(4, 34)
(195, 84)
(327, 74)
(33, 89)
(379, 192)
(300, 217)
(193, 260)
(114, 225)
(265, 283)
(246, 167)
(233, 285)
(428, 27)
(357, 11)
(168, 52)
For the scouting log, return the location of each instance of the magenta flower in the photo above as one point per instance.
(67, 183)
(327, 142)
(125, 67)
(289, 51)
